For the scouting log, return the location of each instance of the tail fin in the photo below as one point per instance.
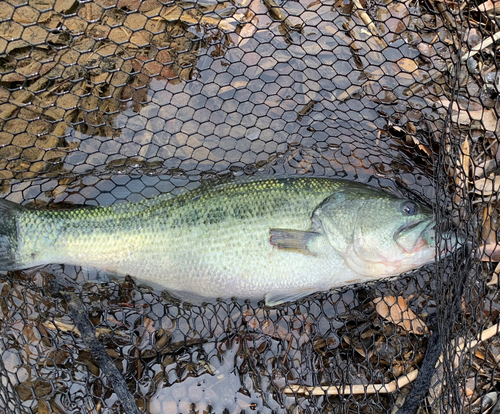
(9, 212)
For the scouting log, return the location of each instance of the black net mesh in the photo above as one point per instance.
(111, 101)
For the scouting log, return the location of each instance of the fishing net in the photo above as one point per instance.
(111, 101)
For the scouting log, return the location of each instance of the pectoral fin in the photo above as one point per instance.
(294, 240)
(279, 297)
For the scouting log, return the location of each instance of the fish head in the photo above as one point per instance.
(378, 234)
(391, 236)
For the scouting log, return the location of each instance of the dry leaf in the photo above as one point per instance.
(487, 117)
(494, 278)
(465, 157)
(149, 325)
(478, 353)
(253, 323)
(177, 13)
(474, 112)
(248, 30)
(483, 168)
(470, 386)
(490, 252)
(462, 170)
(487, 186)
(360, 350)
(488, 6)
(421, 147)
(472, 106)
(63, 326)
(314, 3)
(396, 310)
(407, 65)
(484, 7)
(411, 129)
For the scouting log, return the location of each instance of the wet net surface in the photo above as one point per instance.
(111, 101)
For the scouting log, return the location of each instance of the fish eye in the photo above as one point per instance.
(409, 208)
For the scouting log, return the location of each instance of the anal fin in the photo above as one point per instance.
(294, 240)
(288, 295)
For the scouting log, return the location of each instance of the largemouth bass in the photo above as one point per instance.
(275, 239)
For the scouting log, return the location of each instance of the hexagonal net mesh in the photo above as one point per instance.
(117, 101)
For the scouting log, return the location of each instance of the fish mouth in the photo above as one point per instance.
(416, 236)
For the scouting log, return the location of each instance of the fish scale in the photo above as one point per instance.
(217, 241)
